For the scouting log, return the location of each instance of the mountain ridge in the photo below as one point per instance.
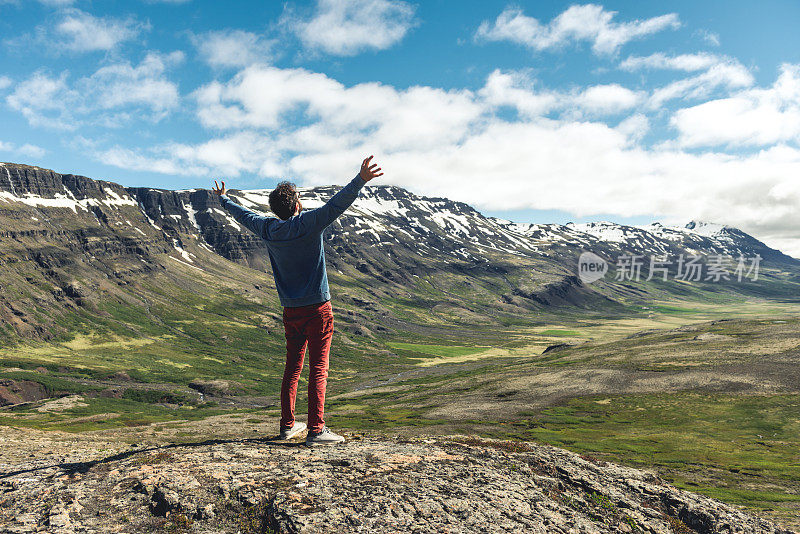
(392, 252)
(603, 230)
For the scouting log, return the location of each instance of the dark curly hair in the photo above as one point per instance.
(282, 200)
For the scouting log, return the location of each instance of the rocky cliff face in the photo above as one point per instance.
(365, 485)
(63, 237)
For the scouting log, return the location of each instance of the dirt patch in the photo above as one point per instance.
(19, 391)
(709, 336)
(214, 387)
(63, 403)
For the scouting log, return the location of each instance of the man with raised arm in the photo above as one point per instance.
(297, 256)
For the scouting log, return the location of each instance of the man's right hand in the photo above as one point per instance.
(219, 190)
(368, 172)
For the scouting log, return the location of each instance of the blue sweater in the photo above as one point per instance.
(295, 245)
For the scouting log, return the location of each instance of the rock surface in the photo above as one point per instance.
(452, 484)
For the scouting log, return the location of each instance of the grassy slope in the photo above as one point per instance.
(183, 323)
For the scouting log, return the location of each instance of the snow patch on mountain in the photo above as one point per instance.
(192, 213)
(228, 218)
(67, 199)
(705, 228)
(377, 206)
(604, 231)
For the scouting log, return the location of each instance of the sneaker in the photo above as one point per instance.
(323, 437)
(289, 433)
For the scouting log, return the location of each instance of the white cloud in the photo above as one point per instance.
(516, 90)
(31, 150)
(685, 62)
(591, 23)
(261, 97)
(79, 31)
(44, 100)
(109, 96)
(634, 127)
(26, 150)
(607, 99)
(233, 154)
(755, 117)
(232, 48)
(710, 37)
(130, 159)
(5, 82)
(347, 27)
(726, 75)
(122, 84)
(719, 72)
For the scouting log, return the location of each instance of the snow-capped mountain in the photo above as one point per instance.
(382, 216)
(63, 235)
(695, 238)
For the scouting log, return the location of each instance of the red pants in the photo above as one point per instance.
(310, 326)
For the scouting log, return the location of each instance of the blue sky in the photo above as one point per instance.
(533, 111)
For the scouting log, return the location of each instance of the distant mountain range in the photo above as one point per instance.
(696, 238)
(396, 254)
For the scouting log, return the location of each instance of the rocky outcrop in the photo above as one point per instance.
(366, 485)
(215, 387)
(198, 211)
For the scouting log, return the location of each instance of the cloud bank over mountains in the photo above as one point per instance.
(704, 140)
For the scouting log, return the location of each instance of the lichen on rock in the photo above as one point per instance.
(369, 484)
